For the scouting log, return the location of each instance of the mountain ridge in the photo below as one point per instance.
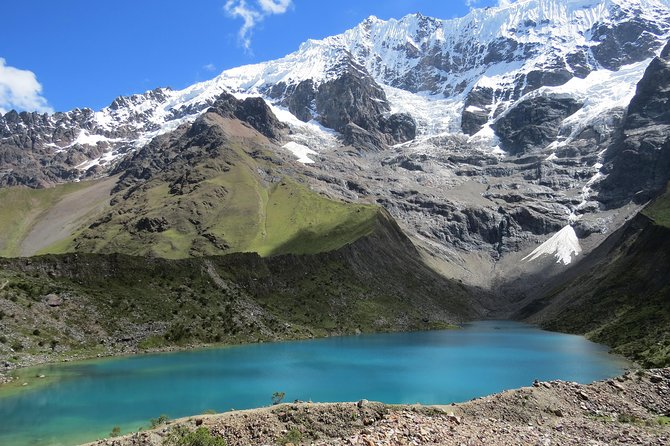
(471, 172)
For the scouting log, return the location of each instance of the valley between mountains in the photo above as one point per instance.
(409, 174)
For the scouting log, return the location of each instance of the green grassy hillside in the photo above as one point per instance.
(22, 207)
(232, 197)
(59, 305)
(659, 209)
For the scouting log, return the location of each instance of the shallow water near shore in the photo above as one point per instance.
(437, 367)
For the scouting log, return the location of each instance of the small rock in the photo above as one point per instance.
(583, 395)
(616, 385)
(656, 378)
(454, 418)
(198, 422)
(362, 403)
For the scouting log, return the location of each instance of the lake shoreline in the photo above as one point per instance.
(88, 398)
(14, 375)
(631, 408)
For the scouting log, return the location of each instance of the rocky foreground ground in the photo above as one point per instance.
(629, 410)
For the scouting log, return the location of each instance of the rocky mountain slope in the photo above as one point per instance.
(210, 187)
(494, 130)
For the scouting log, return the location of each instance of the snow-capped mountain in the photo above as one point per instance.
(492, 128)
(481, 62)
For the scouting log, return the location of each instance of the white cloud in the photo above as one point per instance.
(503, 3)
(20, 90)
(275, 6)
(252, 13)
(209, 67)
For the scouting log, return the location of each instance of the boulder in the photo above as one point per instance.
(53, 300)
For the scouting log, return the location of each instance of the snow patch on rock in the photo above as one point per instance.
(300, 151)
(563, 245)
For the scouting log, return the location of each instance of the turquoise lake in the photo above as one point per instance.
(437, 367)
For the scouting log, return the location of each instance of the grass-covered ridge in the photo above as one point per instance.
(228, 196)
(22, 208)
(659, 209)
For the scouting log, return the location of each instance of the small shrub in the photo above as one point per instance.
(17, 346)
(663, 421)
(116, 431)
(626, 418)
(36, 332)
(181, 436)
(278, 397)
(155, 422)
(3, 339)
(294, 436)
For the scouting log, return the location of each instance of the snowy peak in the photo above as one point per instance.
(480, 64)
(419, 53)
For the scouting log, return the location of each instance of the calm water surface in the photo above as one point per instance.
(436, 367)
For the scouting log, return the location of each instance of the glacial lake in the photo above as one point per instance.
(437, 367)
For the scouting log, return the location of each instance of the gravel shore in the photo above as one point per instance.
(631, 409)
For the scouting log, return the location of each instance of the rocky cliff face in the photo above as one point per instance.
(638, 162)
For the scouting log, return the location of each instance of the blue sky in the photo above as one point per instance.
(58, 55)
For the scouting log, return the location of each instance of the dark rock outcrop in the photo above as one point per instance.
(301, 100)
(352, 103)
(253, 111)
(626, 42)
(533, 123)
(148, 224)
(476, 110)
(351, 99)
(400, 127)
